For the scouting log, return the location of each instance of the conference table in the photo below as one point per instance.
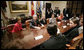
(30, 34)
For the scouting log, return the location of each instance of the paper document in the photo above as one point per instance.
(64, 26)
(37, 27)
(39, 37)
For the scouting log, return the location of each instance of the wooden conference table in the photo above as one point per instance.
(29, 34)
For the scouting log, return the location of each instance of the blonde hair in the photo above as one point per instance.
(18, 18)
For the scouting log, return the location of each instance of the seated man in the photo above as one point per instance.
(56, 41)
(80, 29)
(43, 20)
(79, 37)
(52, 19)
(35, 23)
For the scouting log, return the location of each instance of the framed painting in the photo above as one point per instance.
(18, 6)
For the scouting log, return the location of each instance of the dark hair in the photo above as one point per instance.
(52, 29)
(75, 20)
(52, 14)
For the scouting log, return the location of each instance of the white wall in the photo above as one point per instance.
(8, 10)
(4, 21)
(60, 4)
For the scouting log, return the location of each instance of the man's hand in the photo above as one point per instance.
(42, 26)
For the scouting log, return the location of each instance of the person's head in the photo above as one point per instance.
(52, 29)
(18, 20)
(61, 14)
(52, 15)
(43, 16)
(81, 22)
(74, 21)
(35, 17)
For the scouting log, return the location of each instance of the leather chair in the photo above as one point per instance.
(9, 29)
(73, 44)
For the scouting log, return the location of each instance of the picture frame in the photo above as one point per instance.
(18, 6)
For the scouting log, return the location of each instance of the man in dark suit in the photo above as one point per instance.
(55, 41)
(66, 13)
(48, 13)
(56, 12)
(73, 32)
(43, 20)
(35, 23)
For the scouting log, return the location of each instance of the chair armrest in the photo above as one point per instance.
(70, 47)
(78, 37)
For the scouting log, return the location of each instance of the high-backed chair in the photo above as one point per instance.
(77, 42)
(9, 29)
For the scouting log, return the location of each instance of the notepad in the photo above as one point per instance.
(38, 28)
(58, 22)
(64, 26)
(39, 37)
(68, 24)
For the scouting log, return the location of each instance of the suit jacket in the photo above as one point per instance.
(66, 11)
(56, 12)
(73, 33)
(34, 23)
(55, 42)
(48, 14)
(43, 21)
